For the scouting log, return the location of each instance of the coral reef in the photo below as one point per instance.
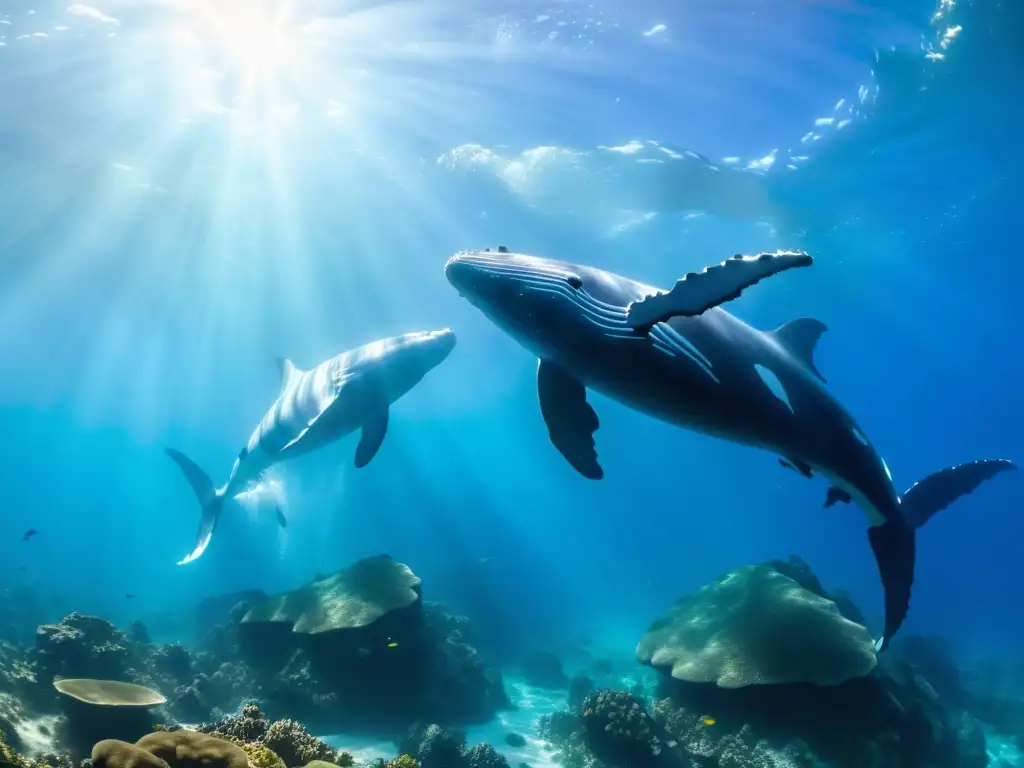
(114, 753)
(757, 626)
(289, 741)
(435, 747)
(890, 716)
(618, 731)
(362, 648)
(191, 749)
(371, 655)
(727, 691)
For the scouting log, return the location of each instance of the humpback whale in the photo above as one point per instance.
(353, 390)
(679, 357)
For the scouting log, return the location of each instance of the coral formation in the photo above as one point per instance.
(373, 655)
(757, 626)
(415, 663)
(295, 745)
(618, 730)
(286, 739)
(109, 693)
(376, 661)
(260, 756)
(435, 747)
(113, 753)
(356, 597)
(891, 717)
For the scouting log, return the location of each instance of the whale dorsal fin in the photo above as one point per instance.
(288, 371)
(800, 337)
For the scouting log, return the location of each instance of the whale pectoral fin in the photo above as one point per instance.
(834, 495)
(375, 427)
(895, 552)
(699, 291)
(570, 419)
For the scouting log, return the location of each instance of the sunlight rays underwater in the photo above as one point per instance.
(256, 179)
(218, 138)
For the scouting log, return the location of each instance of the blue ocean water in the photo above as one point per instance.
(191, 190)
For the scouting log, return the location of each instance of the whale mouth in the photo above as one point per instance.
(463, 270)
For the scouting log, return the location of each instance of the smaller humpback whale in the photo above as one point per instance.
(351, 391)
(679, 357)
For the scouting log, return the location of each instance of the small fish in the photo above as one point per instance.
(29, 534)
(707, 720)
(392, 645)
(129, 596)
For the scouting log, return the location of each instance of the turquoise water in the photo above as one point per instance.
(192, 190)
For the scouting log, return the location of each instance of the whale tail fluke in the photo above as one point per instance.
(894, 545)
(210, 502)
(895, 551)
(940, 489)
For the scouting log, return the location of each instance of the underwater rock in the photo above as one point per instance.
(933, 658)
(544, 670)
(174, 661)
(371, 653)
(215, 611)
(757, 626)
(80, 646)
(579, 687)
(891, 718)
(138, 633)
(971, 747)
(434, 747)
(515, 740)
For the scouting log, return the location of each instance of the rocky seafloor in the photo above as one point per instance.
(760, 669)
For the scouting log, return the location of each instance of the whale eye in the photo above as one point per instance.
(574, 282)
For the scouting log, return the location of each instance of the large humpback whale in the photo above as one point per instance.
(680, 358)
(351, 391)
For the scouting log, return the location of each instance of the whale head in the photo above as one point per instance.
(401, 362)
(542, 303)
(423, 349)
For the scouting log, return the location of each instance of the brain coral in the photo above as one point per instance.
(191, 749)
(757, 626)
(112, 753)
